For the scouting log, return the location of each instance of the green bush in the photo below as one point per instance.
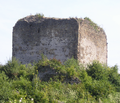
(74, 63)
(5, 88)
(11, 69)
(20, 82)
(114, 77)
(100, 89)
(114, 97)
(98, 71)
(40, 15)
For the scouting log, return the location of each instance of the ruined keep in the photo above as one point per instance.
(58, 38)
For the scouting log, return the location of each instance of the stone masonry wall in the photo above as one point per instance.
(55, 38)
(58, 38)
(92, 43)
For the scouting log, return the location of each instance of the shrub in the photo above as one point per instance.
(114, 77)
(100, 89)
(97, 84)
(40, 15)
(11, 69)
(71, 71)
(114, 97)
(97, 71)
(5, 88)
(55, 62)
(73, 62)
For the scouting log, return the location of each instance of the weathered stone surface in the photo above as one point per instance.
(58, 38)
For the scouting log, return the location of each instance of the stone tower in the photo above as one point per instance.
(58, 38)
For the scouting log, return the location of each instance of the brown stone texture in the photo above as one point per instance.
(58, 38)
(92, 43)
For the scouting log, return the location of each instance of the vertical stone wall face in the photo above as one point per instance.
(93, 43)
(58, 38)
(54, 38)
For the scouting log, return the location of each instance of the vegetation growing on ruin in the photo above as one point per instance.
(20, 83)
(96, 27)
(39, 15)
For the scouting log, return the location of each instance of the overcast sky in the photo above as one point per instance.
(106, 13)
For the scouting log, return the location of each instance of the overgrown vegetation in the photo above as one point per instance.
(96, 27)
(20, 83)
(39, 15)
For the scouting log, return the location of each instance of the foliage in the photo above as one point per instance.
(114, 77)
(97, 71)
(73, 62)
(20, 83)
(39, 15)
(96, 27)
(5, 91)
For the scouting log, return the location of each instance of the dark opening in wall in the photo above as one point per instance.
(30, 25)
(38, 30)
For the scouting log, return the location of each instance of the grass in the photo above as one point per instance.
(96, 27)
(40, 15)
(21, 84)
